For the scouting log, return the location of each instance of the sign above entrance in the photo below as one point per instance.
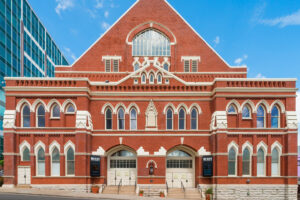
(95, 166)
(207, 165)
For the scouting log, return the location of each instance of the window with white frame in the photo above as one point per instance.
(232, 161)
(143, 78)
(169, 119)
(151, 78)
(166, 66)
(26, 154)
(260, 162)
(70, 162)
(260, 117)
(55, 111)
(194, 119)
(179, 159)
(40, 116)
(231, 109)
(107, 65)
(116, 65)
(187, 66)
(181, 119)
(159, 79)
(275, 162)
(194, 66)
(133, 119)
(246, 113)
(41, 162)
(55, 162)
(70, 109)
(26, 116)
(108, 119)
(136, 66)
(246, 162)
(121, 119)
(275, 117)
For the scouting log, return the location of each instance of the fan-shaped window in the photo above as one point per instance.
(169, 119)
(178, 153)
(123, 159)
(55, 111)
(275, 162)
(181, 119)
(121, 119)
(166, 66)
(70, 162)
(231, 109)
(246, 162)
(41, 162)
(136, 66)
(41, 116)
(55, 162)
(26, 154)
(246, 114)
(275, 116)
(143, 78)
(179, 159)
(232, 162)
(194, 119)
(260, 117)
(123, 153)
(159, 79)
(151, 43)
(108, 119)
(260, 162)
(133, 119)
(70, 109)
(26, 116)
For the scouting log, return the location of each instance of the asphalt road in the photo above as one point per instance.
(9, 196)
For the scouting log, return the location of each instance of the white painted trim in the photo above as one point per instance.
(53, 145)
(184, 119)
(174, 110)
(37, 147)
(131, 106)
(278, 146)
(167, 119)
(236, 104)
(265, 115)
(104, 107)
(117, 113)
(264, 147)
(22, 147)
(280, 105)
(249, 146)
(182, 105)
(36, 103)
(67, 146)
(112, 58)
(118, 106)
(251, 106)
(22, 114)
(21, 103)
(266, 106)
(136, 118)
(53, 101)
(197, 58)
(66, 104)
(236, 149)
(195, 105)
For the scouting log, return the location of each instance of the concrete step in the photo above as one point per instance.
(23, 186)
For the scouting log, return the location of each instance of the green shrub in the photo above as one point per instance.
(209, 191)
(1, 181)
(1, 162)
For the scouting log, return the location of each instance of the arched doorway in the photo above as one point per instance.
(121, 166)
(180, 168)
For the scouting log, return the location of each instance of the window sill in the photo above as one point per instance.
(246, 118)
(73, 113)
(233, 114)
(54, 118)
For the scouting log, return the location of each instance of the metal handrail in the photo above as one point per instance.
(102, 187)
(167, 187)
(135, 185)
(119, 186)
(182, 186)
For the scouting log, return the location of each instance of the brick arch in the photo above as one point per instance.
(118, 147)
(183, 147)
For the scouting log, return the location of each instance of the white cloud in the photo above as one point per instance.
(217, 40)
(106, 14)
(105, 25)
(258, 12)
(239, 61)
(99, 4)
(288, 20)
(91, 13)
(63, 5)
(69, 53)
(259, 75)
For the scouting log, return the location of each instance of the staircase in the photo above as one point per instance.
(190, 193)
(110, 189)
(125, 190)
(175, 193)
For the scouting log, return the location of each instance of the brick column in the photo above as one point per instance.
(10, 164)
(32, 119)
(188, 122)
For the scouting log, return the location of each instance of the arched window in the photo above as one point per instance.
(136, 66)
(169, 119)
(194, 119)
(159, 79)
(123, 159)
(260, 117)
(260, 162)
(26, 154)
(70, 109)
(133, 119)
(232, 162)
(41, 162)
(246, 162)
(108, 119)
(55, 162)
(275, 116)
(143, 78)
(26, 116)
(179, 159)
(151, 78)
(231, 109)
(151, 43)
(55, 111)
(121, 119)
(166, 66)
(246, 114)
(181, 119)
(41, 116)
(70, 162)
(275, 162)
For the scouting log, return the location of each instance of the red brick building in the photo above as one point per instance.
(152, 92)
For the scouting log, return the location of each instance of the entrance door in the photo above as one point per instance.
(24, 175)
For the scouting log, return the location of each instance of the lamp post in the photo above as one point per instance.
(248, 182)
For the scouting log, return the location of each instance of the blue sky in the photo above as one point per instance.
(262, 34)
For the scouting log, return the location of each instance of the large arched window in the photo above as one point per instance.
(246, 114)
(260, 162)
(108, 119)
(55, 162)
(55, 111)
(121, 119)
(275, 116)
(232, 162)
(151, 43)
(179, 159)
(70, 109)
(123, 159)
(231, 109)
(260, 117)
(26, 116)
(169, 119)
(41, 162)
(70, 161)
(181, 119)
(194, 119)
(133, 119)
(246, 162)
(275, 162)
(26, 154)
(40, 116)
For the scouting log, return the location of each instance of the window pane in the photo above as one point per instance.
(41, 168)
(70, 168)
(70, 109)
(26, 154)
(133, 123)
(56, 111)
(231, 161)
(108, 119)
(41, 154)
(275, 157)
(260, 122)
(260, 162)
(55, 170)
(181, 119)
(41, 116)
(275, 117)
(55, 155)
(246, 162)
(275, 169)
(194, 124)
(245, 112)
(275, 112)
(26, 121)
(231, 109)
(70, 154)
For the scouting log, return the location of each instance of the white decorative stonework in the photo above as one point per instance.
(202, 152)
(142, 152)
(84, 120)
(218, 120)
(291, 120)
(100, 152)
(9, 119)
(151, 116)
(120, 140)
(182, 140)
(161, 152)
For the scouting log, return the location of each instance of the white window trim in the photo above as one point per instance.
(235, 108)
(52, 107)
(37, 147)
(143, 75)
(53, 145)
(250, 112)
(22, 108)
(278, 146)
(264, 147)
(70, 113)
(265, 115)
(184, 119)
(118, 119)
(159, 82)
(136, 114)
(37, 116)
(112, 58)
(108, 107)
(68, 145)
(249, 146)
(167, 81)
(151, 82)
(22, 147)
(236, 149)
(279, 115)
(167, 119)
(197, 113)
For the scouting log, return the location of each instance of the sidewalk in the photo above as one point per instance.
(75, 194)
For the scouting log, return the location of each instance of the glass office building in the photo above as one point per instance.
(26, 48)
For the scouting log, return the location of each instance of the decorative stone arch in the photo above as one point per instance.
(68, 145)
(166, 61)
(234, 145)
(119, 147)
(193, 152)
(151, 161)
(265, 104)
(248, 145)
(195, 105)
(182, 105)
(171, 106)
(105, 107)
(235, 103)
(263, 146)
(251, 105)
(66, 103)
(38, 102)
(21, 103)
(52, 102)
(149, 72)
(119, 105)
(37, 146)
(279, 104)
(136, 60)
(53, 145)
(132, 105)
(22, 146)
(277, 145)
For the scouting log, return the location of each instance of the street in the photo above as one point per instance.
(10, 196)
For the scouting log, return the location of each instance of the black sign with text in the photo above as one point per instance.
(207, 165)
(95, 166)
